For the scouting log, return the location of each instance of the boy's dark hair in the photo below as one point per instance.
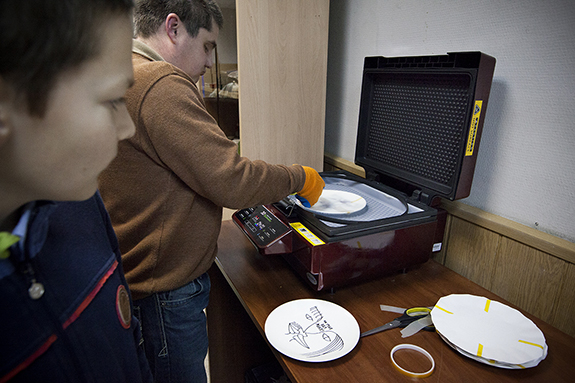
(40, 39)
(195, 14)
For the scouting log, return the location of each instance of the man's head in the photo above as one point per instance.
(183, 32)
(65, 67)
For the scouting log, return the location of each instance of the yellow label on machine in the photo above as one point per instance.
(307, 234)
(473, 127)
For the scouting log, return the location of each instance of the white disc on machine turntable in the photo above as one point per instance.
(337, 202)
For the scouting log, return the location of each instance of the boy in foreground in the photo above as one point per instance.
(66, 310)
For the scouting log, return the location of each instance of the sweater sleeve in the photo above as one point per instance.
(185, 138)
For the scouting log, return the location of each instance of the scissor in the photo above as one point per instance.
(409, 316)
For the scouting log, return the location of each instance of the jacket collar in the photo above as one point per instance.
(141, 48)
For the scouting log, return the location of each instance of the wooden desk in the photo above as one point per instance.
(247, 286)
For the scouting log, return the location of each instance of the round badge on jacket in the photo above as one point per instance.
(123, 307)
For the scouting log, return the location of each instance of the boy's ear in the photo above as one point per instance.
(4, 127)
(5, 100)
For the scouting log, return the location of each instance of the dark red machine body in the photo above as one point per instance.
(420, 125)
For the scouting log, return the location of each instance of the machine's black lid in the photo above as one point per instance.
(421, 119)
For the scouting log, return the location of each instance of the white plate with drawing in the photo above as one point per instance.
(312, 330)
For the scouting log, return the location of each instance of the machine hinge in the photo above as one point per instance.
(371, 176)
(422, 197)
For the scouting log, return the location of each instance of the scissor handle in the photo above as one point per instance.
(416, 313)
(408, 316)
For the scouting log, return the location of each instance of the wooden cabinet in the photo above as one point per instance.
(282, 65)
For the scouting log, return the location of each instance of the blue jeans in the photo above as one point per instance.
(174, 331)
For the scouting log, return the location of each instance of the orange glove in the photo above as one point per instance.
(313, 186)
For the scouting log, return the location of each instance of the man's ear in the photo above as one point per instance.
(173, 26)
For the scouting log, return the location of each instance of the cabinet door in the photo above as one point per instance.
(282, 64)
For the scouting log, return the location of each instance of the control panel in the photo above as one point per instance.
(266, 231)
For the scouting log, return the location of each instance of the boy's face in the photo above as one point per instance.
(59, 156)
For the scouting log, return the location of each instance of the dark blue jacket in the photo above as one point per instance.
(82, 329)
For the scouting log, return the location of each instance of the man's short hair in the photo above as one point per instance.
(195, 14)
(41, 39)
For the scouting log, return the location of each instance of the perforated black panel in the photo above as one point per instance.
(416, 121)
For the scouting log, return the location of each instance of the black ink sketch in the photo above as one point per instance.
(318, 337)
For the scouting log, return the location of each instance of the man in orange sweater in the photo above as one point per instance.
(166, 189)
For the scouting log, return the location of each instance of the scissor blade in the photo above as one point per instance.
(387, 326)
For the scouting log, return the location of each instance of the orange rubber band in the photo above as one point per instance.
(410, 373)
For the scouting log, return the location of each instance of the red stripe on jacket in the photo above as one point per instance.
(42, 349)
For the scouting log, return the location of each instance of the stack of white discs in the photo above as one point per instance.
(489, 331)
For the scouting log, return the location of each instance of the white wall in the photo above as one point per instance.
(526, 162)
(227, 41)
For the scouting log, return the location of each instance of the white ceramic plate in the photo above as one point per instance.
(312, 330)
(337, 202)
(489, 331)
